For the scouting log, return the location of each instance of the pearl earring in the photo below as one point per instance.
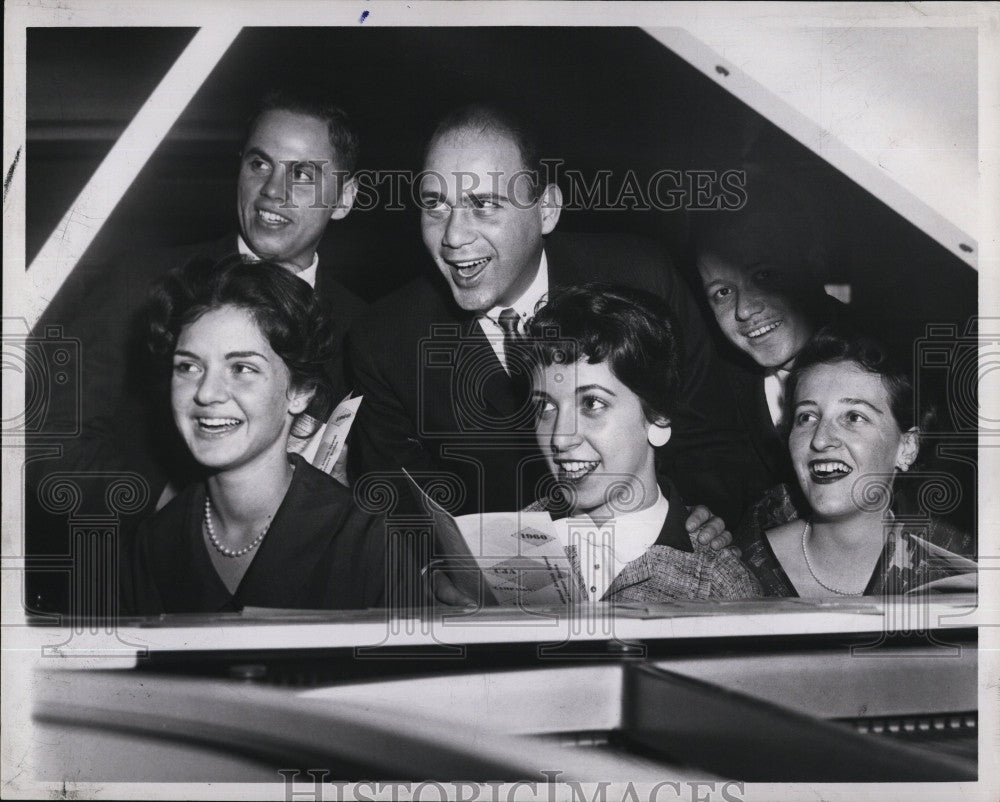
(658, 434)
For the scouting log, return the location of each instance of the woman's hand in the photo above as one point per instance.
(439, 589)
(710, 530)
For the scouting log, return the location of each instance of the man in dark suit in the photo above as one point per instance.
(444, 395)
(295, 176)
(760, 269)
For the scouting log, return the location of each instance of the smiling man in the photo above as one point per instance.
(445, 392)
(760, 270)
(484, 217)
(294, 178)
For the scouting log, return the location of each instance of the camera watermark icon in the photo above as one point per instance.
(487, 399)
(963, 360)
(49, 365)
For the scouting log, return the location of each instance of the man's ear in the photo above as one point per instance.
(550, 205)
(346, 201)
(909, 446)
(299, 398)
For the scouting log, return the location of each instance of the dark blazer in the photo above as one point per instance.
(320, 552)
(770, 463)
(438, 402)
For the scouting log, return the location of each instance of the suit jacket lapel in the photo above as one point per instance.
(752, 405)
(480, 363)
(325, 287)
(673, 532)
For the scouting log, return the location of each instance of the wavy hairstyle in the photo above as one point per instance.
(282, 305)
(839, 343)
(631, 329)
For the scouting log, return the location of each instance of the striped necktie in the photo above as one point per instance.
(508, 320)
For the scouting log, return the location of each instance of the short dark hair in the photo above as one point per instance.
(631, 329)
(342, 135)
(496, 119)
(776, 218)
(776, 225)
(840, 343)
(283, 306)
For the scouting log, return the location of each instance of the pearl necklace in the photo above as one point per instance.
(809, 565)
(215, 541)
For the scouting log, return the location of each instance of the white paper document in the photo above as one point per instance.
(965, 572)
(327, 443)
(506, 558)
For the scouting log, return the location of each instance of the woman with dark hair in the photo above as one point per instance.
(852, 428)
(245, 345)
(604, 365)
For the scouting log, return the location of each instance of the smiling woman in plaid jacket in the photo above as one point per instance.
(604, 367)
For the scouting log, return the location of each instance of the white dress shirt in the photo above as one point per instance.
(774, 392)
(308, 275)
(524, 306)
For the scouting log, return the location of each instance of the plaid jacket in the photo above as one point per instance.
(675, 566)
